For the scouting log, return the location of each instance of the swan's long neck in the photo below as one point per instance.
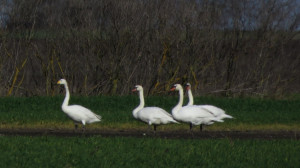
(191, 98)
(142, 103)
(67, 98)
(179, 105)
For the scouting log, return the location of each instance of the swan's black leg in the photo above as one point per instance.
(191, 131)
(201, 127)
(191, 126)
(154, 129)
(76, 126)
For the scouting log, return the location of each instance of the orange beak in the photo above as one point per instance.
(173, 88)
(134, 90)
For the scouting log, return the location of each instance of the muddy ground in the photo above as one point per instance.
(177, 134)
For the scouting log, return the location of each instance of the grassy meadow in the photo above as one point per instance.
(116, 111)
(97, 151)
(48, 151)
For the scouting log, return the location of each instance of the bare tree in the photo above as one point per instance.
(107, 46)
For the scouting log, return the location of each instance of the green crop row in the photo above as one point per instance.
(48, 151)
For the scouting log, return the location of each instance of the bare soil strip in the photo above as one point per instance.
(180, 134)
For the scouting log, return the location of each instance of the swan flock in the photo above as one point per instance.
(191, 114)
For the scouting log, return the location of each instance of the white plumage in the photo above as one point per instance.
(194, 115)
(77, 113)
(150, 115)
(216, 111)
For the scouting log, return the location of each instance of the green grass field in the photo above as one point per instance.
(97, 151)
(116, 111)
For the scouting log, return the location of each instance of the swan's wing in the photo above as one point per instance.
(84, 113)
(144, 114)
(217, 111)
(196, 115)
(155, 115)
(196, 111)
(163, 115)
(220, 113)
(160, 111)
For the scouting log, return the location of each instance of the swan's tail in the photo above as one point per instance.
(226, 116)
(170, 120)
(174, 121)
(98, 117)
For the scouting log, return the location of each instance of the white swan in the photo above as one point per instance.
(194, 115)
(77, 113)
(219, 113)
(190, 95)
(150, 115)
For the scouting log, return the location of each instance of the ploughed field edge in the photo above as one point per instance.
(172, 134)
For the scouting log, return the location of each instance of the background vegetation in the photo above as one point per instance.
(107, 46)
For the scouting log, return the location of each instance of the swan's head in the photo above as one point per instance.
(62, 82)
(137, 88)
(188, 86)
(176, 87)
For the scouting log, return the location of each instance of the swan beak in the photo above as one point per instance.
(173, 88)
(188, 87)
(134, 90)
(58, 82)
